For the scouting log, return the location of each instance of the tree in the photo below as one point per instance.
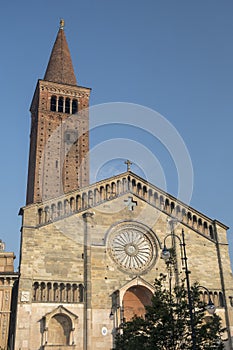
(166, 325)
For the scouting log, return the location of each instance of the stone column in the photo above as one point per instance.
(87, 321)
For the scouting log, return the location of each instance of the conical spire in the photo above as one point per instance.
(60, 68)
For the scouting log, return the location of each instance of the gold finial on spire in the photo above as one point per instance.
(62, 24)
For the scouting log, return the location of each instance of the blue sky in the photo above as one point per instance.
(175, 57)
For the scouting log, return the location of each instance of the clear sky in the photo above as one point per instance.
(174, 57)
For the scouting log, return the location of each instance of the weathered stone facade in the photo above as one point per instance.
(84, 259)
(90, 253)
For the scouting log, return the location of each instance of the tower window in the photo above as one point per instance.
(74, 106)
(60, 104)
(67, 105)
(53, 103)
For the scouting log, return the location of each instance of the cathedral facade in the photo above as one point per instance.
(90, 252)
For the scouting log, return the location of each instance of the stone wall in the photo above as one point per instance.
(107, 250)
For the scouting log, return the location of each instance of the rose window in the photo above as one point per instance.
(132, 248)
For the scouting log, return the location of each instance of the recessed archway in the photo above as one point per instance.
(134, 301)
(59, 330)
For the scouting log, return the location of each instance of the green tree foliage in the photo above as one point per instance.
(166, 325)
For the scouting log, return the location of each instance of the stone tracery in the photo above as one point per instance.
(132, 247)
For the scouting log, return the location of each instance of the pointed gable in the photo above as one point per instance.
(60, 68)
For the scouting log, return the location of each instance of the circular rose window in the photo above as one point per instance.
(132, 247)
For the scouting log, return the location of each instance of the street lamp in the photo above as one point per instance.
(166, 255)
(210, 307)
(111, 315)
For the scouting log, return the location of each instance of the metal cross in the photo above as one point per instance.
(130, 203)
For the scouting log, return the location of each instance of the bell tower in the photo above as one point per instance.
(59, 138)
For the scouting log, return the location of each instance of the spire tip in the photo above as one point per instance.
(62, 24)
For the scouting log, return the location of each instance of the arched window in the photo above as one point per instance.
(84, 200)
(75, 293)
(53, 209)
(167, 204)
(47, 214)
(113, 188)
(215, 299)
(62, 292)
(66, 206)
(199, 224)
(67, 105)
(134, 185)
(40, 213)
(96, 196)
(72, 204)
(59, 209)
(42, 291)
(59, 330)
(78, 202)
(60, 104)
(55, 292)
(102, 193)
(74, 106)
(49, 292)
(150, 195)
(144, 192)
(53, 103)
(161, 202)
(81, 292)
(189, 215)
(124, 184)
(68, 293)
(139, 189)
(108, 191)
(35, 291)
(172, 207)
(184, 218)
(119, 186)
(194, 221)
(221, 301)
(156, 196)
(205, 227)
(211, 232)
(90, 198)
(178, 211)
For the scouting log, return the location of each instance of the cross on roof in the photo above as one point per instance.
(130, 203)
(128, 163)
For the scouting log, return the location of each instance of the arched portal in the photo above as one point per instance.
(59, 330)
(134, 301)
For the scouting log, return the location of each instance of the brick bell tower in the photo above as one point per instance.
(59, 139)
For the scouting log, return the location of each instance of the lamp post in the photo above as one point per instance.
(166, 256)
(210, 307)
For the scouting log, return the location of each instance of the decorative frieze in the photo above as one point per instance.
(104, 191)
